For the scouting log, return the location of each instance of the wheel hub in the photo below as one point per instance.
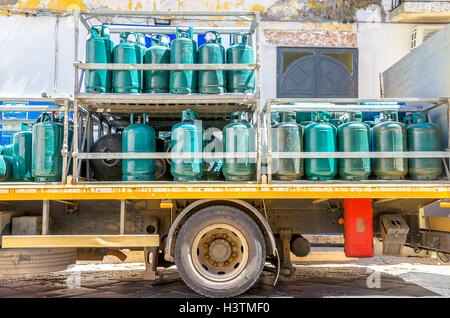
(220, 252)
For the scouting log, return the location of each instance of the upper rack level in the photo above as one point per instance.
(217, 104)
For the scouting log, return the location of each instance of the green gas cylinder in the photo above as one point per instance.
(8, 150)
(239, 136)
(47, 141)
(187, 137)
(423, 136)
(183, 51)
(287, 136)
(212, 52)
(354, 136)
(99, 49)
(240, 52)
(22, 144)
(390, 135)
(6, 168)
(127, 52)
(320, 137)
(138, 137)
(158, 53)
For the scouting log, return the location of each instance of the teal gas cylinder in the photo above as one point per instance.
(126, 52)
(183, 51)
(8, 150)
(275, 118)
(138, 137)
(335, 120)
(158, 53)
(354, 136)
(47, 141)
(212, 52)
(187, 137)
(305, 118)
(287, 136)
(239, 136)
(99, 49)
(140, 51)
(423, 136)
(6, 168)
(369, 123)
(390, 135)
(320, 137)
(408, 120)
(240, 52)
(22, 144)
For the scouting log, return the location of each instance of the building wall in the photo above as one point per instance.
(30, 62)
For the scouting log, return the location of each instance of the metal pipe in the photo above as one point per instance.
(45, 216)
(258, 143)
(75, 140)
(343, 108)
(55, 75)
(31, 108)
(269, 142)
(65, 147)
(166, 155)
(165, 67)
(90, 130)
(173, 29)
(137, 14)
(381, 154)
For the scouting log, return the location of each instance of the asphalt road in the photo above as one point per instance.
(375, 277)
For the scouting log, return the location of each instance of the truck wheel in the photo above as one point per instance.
(220, 252)
(19, 261)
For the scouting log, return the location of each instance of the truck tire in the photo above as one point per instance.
(107, 170)
(220, 252)
(19, 261)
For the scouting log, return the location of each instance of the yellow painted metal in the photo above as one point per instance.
(166, 205)
(445, 204)
(441, 224)
(224, 191)
(53, 241)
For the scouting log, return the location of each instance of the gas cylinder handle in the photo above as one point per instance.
(217, 37)
(185, 31)
(145, 118)
(131, 118)
(240, 38)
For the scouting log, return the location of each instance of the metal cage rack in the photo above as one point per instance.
(161, 107)
(63, 105)
(351, 105)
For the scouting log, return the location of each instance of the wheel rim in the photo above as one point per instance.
(219, 252)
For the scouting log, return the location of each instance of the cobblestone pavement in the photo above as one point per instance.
(375, 277)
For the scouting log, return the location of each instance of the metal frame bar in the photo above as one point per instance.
(165, 67)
